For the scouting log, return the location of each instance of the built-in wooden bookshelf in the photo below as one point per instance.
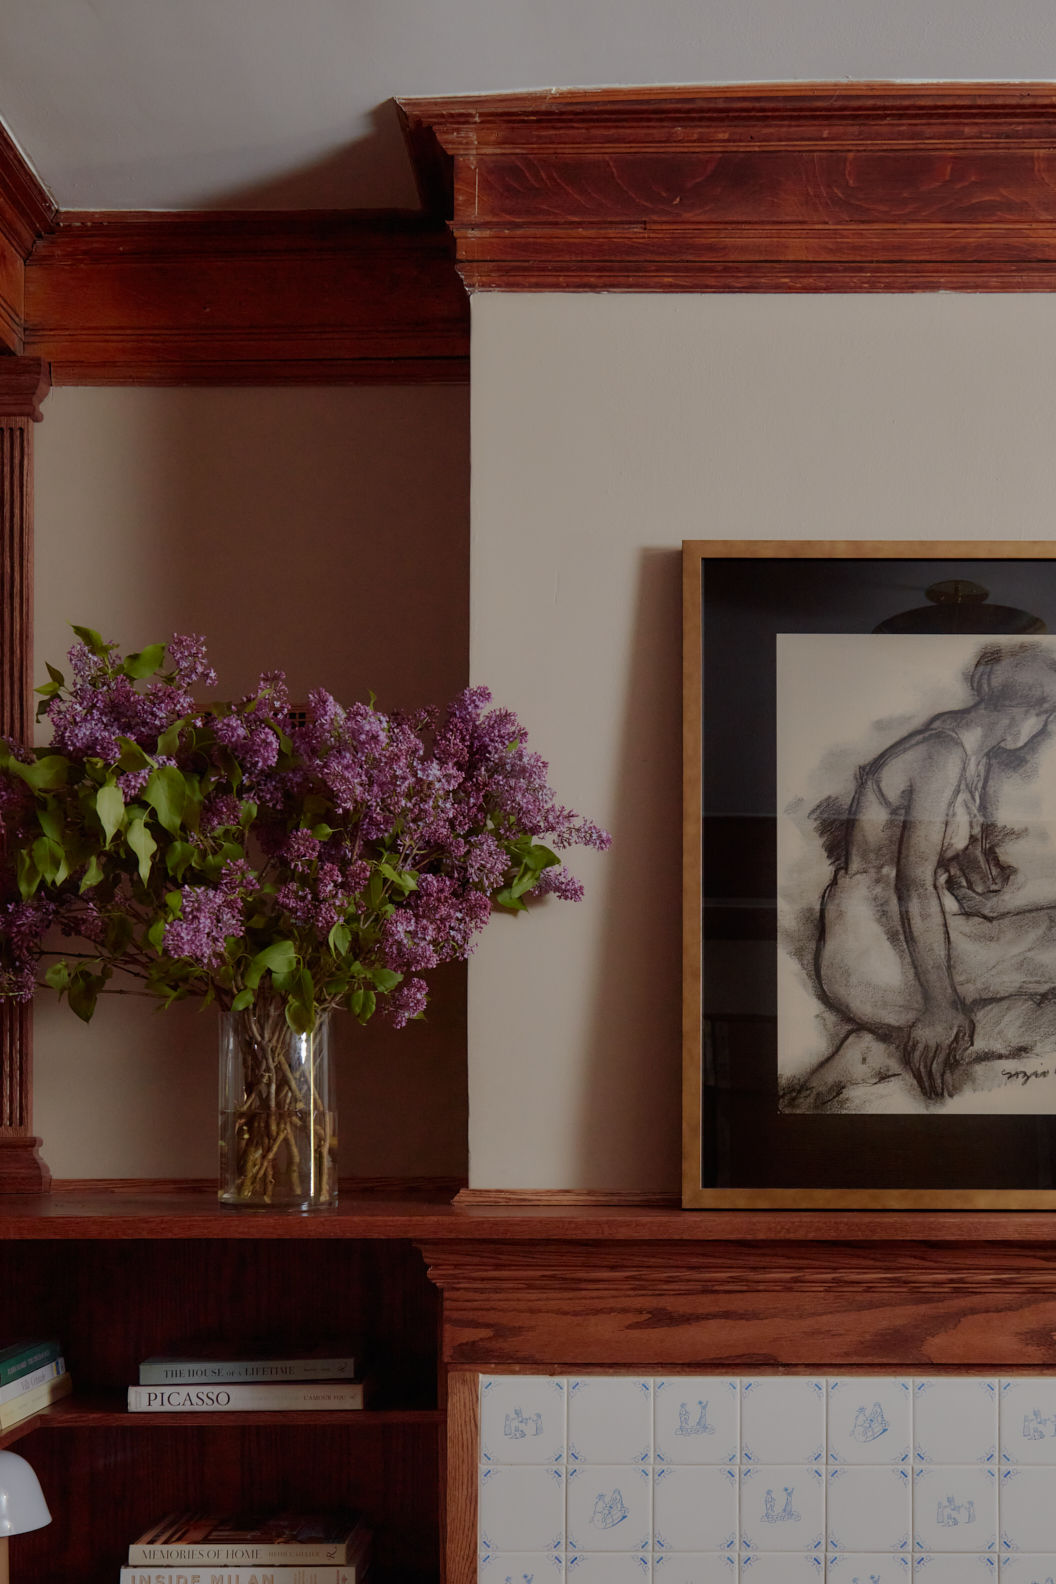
(526, 1285)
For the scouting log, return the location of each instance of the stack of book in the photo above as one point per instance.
(32, 1375)
(225, 1383)
(248, 1548)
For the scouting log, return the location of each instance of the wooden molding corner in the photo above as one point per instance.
(794, 187)
(244, 298)
(27, 212)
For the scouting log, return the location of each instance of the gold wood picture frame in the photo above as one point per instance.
(867, 1018)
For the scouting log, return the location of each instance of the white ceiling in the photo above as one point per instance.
(140, 104)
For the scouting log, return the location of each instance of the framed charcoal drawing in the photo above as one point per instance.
(869, 875)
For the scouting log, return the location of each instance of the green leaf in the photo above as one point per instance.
(49, 818)
(507, 899)
(58, 976)
(143, 845)
(56, 676)
(166, 792)
(156, 934)
(47, 855)
(145, 663)
(385, 979)
(48, 690)
(178, 855)
(84, 991)
(44, 776)
(174, 903)
(28, 873)
(169, 740)
(247, 814)
(243, 999)
(375, 890)
(322, 832)
(540, 858)
(299, 1016)
(118, 934)
(279, 957)
(110, 807)
(89, 636)
(133, 757)
(93, 875)
(339, 939)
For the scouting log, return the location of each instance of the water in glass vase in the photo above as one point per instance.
(278, 1113)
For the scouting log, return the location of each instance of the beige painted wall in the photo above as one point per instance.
(605, 430)
(324, 532)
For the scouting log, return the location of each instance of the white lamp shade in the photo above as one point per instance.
(22, 1504)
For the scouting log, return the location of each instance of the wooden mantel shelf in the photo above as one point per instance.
(192, 1213)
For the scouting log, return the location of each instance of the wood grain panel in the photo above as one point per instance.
(463, 1454)
(26, 213)
(214, 298)
(891, 1305)
(23, 386)
(807, 187)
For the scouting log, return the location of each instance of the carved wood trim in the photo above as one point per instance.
(26, 213)
(313, 298)
(797, 187)
(23, 386)
(462, 1457)
(890, 1305)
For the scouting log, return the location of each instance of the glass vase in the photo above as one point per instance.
(278, 1112)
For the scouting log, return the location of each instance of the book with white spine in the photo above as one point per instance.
(255, 1397)
(32, 1402)
(206, 1540)
(28, 1383)
(208, 1573)
(202, 1369)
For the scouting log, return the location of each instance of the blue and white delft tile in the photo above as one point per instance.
(774, 1567)
(869, 1509)
(955, 1509)
(704, 1567)
(783, 1509)
(1028, 1509)
(955, 1420)
(522, 1419)
(1019, 1568)
(1028, 1420)
(934, 1567)
(694, 1508)
(522, 1509)
(609, 1567)
(536, 1567)
(782, 1419)
(696, 1419)
(610, 1509)
(610, 1419)
(869, 1419)
(1023, 1569)
(851, 1567)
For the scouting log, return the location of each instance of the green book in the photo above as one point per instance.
(22, 1358)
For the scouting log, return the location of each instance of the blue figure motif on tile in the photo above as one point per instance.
(609, 1512)
(526, 1578)
(698, 1426)
(950, 1515)
(786, 1515)
(518, 1426)
(869, 1424)
(1036, 1427)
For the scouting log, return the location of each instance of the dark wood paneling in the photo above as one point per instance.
(892, 1305)
(807, 187)
(242, 298)
(23, 386)
(26, 213)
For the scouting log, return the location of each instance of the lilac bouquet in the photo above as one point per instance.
(278, 862)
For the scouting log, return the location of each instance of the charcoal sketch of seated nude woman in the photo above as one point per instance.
(918, 926)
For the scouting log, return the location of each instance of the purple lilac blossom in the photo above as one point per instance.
(407, 1001)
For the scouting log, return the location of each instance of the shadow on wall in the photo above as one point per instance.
(369, 172)
(637, 1019)
(320, 532)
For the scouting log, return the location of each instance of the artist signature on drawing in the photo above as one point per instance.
(1020, 1074)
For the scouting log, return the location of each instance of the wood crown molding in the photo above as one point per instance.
(796, 187)
(789, 1304)
(27, 212)
(237, 298)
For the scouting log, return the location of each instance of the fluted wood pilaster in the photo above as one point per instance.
(24, 382)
